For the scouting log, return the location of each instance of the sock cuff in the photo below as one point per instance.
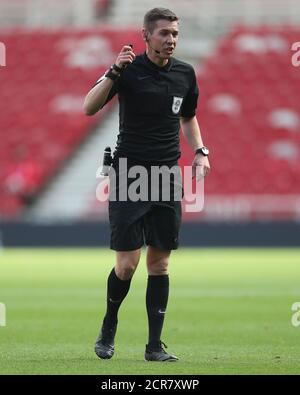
(162, 279)
(114, 276)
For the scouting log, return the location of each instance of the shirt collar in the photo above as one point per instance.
(155, 67)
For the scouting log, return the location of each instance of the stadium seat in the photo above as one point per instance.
(42, 93)
(249, 113)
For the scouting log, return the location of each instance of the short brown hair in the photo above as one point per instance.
(156, 14)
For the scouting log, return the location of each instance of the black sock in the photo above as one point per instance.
(116, 292)
(156, 303)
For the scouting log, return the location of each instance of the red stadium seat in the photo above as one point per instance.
(45, 66)
(262, 82)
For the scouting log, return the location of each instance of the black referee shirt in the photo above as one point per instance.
(152, 99)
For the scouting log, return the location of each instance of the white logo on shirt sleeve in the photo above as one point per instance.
(177, 101)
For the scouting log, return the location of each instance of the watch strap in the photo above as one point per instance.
(116, 68)
(111, 75)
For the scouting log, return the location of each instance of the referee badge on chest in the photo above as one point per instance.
(177, 101)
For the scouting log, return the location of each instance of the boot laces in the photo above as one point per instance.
(161, 344)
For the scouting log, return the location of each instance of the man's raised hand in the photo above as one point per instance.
(125, 57)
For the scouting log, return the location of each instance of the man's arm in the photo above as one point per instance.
(192, 134)
(97, 96)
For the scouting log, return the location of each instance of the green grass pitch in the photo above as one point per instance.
(229, 312)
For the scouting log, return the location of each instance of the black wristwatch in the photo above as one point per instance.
(203, 150)
(117, 68)
(111, 75)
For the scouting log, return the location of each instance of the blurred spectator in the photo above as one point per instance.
(23, 177)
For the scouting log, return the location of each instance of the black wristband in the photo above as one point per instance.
(109, 74)
(116, 68)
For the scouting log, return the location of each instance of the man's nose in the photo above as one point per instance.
(171, 39)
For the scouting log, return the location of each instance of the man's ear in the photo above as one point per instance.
(145, 35)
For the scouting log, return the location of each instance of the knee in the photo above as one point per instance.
(125, 273)
(158, 267)
(125, 269)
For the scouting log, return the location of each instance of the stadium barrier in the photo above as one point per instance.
(204, 234)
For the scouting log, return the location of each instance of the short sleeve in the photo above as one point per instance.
(190, 102)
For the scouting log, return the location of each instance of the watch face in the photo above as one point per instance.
(205, 150)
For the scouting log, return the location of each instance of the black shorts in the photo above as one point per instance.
(135, 223)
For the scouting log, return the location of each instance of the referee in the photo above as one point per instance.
(157, 95)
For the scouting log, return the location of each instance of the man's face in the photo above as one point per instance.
(164, 37)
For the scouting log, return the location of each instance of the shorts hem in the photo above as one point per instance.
(117, 248)
(163, 247)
